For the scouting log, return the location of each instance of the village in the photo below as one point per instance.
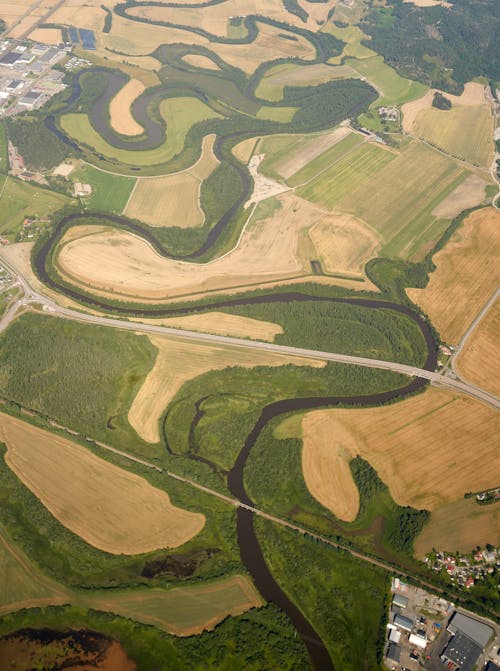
(427, 632)
(465, 570)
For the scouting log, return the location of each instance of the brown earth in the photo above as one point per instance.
(478, 361)
(467, 272)
(121, 118)
(469, 193)
(110, 508)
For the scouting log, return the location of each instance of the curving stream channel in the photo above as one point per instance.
(251, 552)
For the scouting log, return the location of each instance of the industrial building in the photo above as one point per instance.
(400, 600)
(403, 622)
(393, 652)
(477, 631)
(461, 651)
(30, 98)
(491, 666)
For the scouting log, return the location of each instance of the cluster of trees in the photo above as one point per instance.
(40, 148)
(441, 102)
(439, 46)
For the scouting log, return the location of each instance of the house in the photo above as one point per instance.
(469, 582)
(82, 190)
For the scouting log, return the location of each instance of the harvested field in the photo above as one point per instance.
(46, 35)
(207, 162)
(300, 156)
(172, 200)
(420, 447)
(478, 361)
(200, 61)
(344, 244)
(463, 131)
(326, 468)
(121, 118)
(459, 526)
(468, 194)
(429, 3)
(126, 265)
(473, 95)
(222, 323)
(183, 611)
(403, 191)
(179, 361)
(467, 273)
(63, 169)
(244, 150)
(110, 508)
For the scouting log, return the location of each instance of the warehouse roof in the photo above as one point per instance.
(462, 651)
(394, 652)
(477, 631)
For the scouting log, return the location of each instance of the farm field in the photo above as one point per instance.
(459, 525)
(398, 200)
(343, 178)
(272, 84)
(110, 193)
(464, 131)
(177, 362)
(394, 89)
(172, 200)
(19, 200)
(410, 445)
(269, 251)
(478, 361)
(180, 115)
(22, 585)
(222, 323)
(326, 159)
(467, 272)
(281, 114)
(120, 114)
(183, 611)
(351, 35)
(127, 515)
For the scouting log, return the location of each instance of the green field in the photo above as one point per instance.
(399, 199)
(110, 193)
(343, 178)
(180, 115)
(326, 159)
(21, 583)
(351, 35)
(20, 199)
(4, 159)
(281, 114)
(393, 89)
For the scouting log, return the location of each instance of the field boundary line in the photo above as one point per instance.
(130, 195)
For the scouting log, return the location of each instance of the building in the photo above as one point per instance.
(394, 635)
(393, 652)
(400, 600)
(491, 667)
(418, 640)
(462, 652)
(403, 622)
(30, 98)
(82, 189)
(10, 59)
(475, 630)
(14, 85)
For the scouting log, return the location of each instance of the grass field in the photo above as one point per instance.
(348, 174)
(22, 585)
(325, 159)
(121, 118)
(179, 361)
(172, 200)
(467, 272)
(281, 114)
(180, 115)
(399, 199)
(275, 79)
(126, 514)
(459, 525)
(110, 192)
(19, 200)
(478, 361)
(465, 132)
(420, 447)
(393, 89)
(4, 159)
(183, 611)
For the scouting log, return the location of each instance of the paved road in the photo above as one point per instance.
(33, 297)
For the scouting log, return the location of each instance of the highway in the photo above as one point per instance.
(32, 297)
